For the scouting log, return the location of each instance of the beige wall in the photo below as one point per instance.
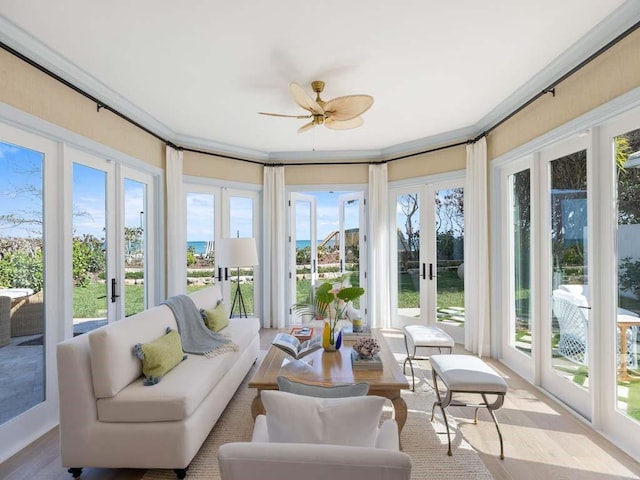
(211, 166)
(613, 73)
(326, 174)
(442, 161)
(26, 88)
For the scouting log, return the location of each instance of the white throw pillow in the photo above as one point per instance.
(351, 421)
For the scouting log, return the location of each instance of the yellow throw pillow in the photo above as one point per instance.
(160, 356)
(216, 318)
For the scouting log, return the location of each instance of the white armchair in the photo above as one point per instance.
(371, 453)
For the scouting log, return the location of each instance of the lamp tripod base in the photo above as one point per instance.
(238, 298)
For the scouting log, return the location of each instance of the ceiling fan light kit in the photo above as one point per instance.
(341, 113)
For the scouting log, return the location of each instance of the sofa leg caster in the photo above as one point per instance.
(75, 472)
(181, 472)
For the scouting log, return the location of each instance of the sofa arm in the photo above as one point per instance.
(275, 461)
(260, 432)
(78, 411)
(387, 437)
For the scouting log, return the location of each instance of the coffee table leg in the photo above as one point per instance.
(256, 406)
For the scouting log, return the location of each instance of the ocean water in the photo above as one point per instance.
(201, 246)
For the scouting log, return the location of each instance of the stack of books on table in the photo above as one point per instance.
(302, 333)
(359, 363)
(349, 334)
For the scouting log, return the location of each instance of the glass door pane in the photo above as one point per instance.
(201, 264)
(570, 300)
(303, 255)
(22, 318)
(242, 277)
(91, 280)
(520, 258)
(408, 254)
(135, 246)
(351, 213)
(448, 275)
(627, 148)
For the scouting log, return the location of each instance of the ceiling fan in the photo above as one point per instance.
(341, 113)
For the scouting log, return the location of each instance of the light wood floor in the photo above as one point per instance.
(542, 440)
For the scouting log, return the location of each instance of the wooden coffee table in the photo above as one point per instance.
(333, 368)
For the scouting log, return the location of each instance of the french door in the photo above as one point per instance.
(31, 183)
(303, 247)
(112, 240)
(429, 253)
(213, 213)
(566, 304)
(326, 247)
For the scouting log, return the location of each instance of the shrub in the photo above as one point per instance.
(22, 270)
(629, 275)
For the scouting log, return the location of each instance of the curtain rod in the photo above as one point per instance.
(100, 104)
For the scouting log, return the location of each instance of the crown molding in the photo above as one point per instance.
(187, 141)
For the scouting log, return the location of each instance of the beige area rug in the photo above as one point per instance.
(426, 442)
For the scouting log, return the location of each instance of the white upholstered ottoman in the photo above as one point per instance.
(467, 374)
(424, 336)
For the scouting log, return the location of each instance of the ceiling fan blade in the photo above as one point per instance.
(283, 115)
(334, 124)
(348, 107)
(304, 100)
(306, 126)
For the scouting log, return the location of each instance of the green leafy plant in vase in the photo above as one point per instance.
(333, 299)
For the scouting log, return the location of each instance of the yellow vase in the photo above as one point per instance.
(331, 339)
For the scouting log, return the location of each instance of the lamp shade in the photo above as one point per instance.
(237, 252)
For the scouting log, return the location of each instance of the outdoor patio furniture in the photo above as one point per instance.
(571, 311)
(5, 320)
(27, 315)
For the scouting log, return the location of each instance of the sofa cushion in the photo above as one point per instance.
(215, 318)
(160, 356)
(113, 362)
(349, 421)
(183, 388)
(176, 397)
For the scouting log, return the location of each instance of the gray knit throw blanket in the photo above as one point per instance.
(195, 336)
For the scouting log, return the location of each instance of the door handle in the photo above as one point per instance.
(424, 271)
(113, 291)
(431, 275)
(314, 267)
(226, 274)
(219, 274)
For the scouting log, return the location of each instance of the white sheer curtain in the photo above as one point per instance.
(379, 308)
(176, 225)
(274, 234)
(476, 251)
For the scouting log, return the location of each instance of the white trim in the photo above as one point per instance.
(429, 179)
(189, 181)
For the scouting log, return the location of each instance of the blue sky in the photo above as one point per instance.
(18, 165)
(20, 189)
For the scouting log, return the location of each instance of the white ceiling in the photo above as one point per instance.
(198, 72)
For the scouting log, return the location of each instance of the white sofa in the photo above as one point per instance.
(109, 419)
